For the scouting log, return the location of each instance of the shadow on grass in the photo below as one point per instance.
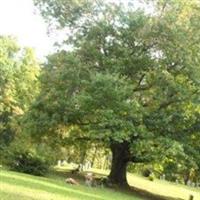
(148, 195)
(130, 190)
(140, 193)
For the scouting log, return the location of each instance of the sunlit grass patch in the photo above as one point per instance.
(21, 186)
(163, 188)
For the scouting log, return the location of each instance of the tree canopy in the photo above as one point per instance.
(130, 79)
(18, 86)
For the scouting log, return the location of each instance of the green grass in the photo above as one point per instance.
(162, 188)
(18, 186)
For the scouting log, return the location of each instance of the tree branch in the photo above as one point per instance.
(136, 159)
(137, 89)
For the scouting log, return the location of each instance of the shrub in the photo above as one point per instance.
(151, 177)
(28, 162)
(146, 172)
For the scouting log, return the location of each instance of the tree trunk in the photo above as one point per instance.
(94, 156)
(186, 178)
(83, 152)
(120, 158)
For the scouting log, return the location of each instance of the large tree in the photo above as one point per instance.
(129, 78)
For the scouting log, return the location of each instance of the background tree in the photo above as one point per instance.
(18, 86)
(130, 79)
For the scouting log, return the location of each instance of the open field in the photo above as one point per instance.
(164, 188)
(20, 186)
(160, 187)
(17, 186)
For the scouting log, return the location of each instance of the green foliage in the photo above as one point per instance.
(24, 155)
(151, 177)
(28, 162)
(18, 86)
(146, 172)
(131, 79)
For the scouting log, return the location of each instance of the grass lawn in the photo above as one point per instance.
(160, 187)
(17, 186)
(164, 188)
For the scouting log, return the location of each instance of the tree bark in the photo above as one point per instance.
(120, 158)
(186, 178)
(94, 156)
(83, 155)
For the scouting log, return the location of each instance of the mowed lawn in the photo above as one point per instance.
(164, 188)
(18, 186)
(160, 187)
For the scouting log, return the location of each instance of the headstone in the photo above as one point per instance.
(64, 163)
(88, 165)
(188, 183)
(84, 168)
(81, 167)
(163, 177)
(59, 163)
(89, 179)
(193, 184)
